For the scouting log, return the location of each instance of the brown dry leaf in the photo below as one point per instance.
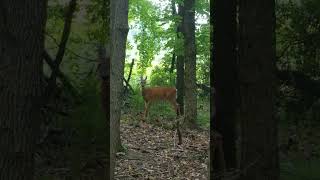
(158, 157)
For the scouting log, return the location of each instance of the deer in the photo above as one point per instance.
(152, 94)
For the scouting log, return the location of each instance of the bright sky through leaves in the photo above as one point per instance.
(133, 53)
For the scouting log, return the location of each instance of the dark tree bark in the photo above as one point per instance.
(104, 72)
(180, 83)
(119, 31)
(180, 65)
(225, 76)
(190, 64)
(22, 26)
(212, 106)
(173, 59)
(259, 145)
(173, 62)
(219, 164)
(104, 55)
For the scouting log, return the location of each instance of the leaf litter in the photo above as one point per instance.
(152, 152)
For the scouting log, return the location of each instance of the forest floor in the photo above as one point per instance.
(152, 152)
(299, 151)
(65, 156)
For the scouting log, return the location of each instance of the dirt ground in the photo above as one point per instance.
(152, 152)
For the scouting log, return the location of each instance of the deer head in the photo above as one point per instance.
(143, 81)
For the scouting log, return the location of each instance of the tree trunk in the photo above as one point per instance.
(22, 25)
(190, 63)
(173, 59)
(180, 66)
(119, 31)
(173, 62)
(225, 76)
(180, 83)
(259, 145)
(212, 94)
(104, 72)
(219, 164)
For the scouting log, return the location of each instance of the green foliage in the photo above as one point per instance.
(155, 30)
(144, 15)
(202, 7)
(203, 118)
(88, 117)
(162, 111)
(56, 11)
(157, 109)
(299, 169)
(136, 103)
(295, 164)
(80, 52)
(298, 36)
(161, 78)
(298, 39)
(160, 75)
(203, 54)
(98, 13)
(88, 121)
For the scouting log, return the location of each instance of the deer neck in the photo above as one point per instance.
(143, 90)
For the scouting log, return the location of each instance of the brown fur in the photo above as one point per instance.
(157, 94)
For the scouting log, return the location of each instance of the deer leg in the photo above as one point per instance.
(146, 109)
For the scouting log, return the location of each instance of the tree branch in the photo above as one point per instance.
(60, 75)
(71, 51)
(204, 87)
(130, 72)
(66, 32)
(309, 87)
(128, 86)
(61, 51)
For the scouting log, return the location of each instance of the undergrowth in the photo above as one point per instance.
(88, 123)
(163, 111)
